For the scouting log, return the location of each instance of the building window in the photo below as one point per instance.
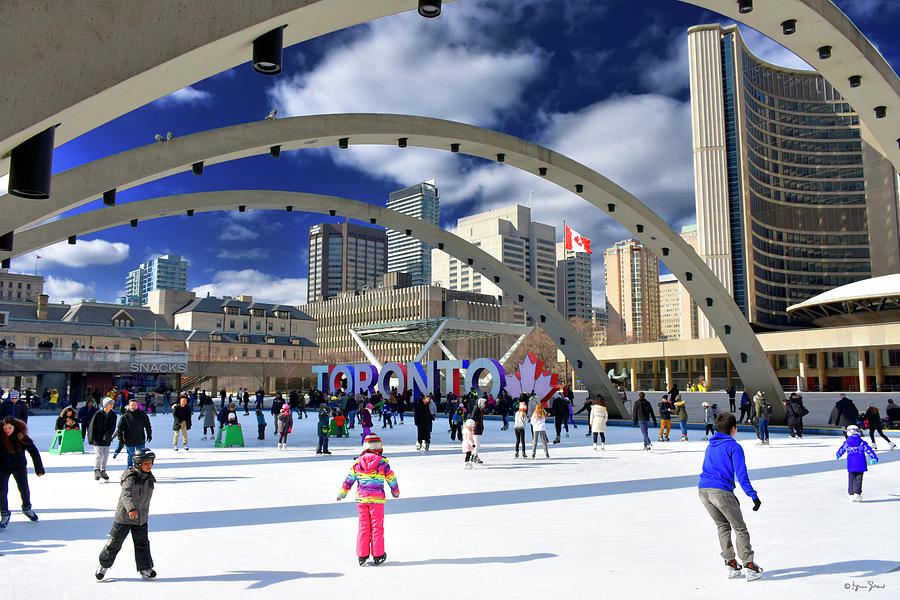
(257, 353)
(258, 325)
(231, 324)
(243, 353)
(271, 354)
(245, 324)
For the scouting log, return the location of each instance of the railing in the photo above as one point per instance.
(87, 354)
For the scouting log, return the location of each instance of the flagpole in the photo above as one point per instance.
(565, 294)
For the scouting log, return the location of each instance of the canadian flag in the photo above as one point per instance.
(576, 242)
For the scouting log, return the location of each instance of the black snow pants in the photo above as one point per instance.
(117, 536)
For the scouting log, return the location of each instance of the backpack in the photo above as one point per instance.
(766, 409)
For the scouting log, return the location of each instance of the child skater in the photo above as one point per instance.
(370, 472)
(457, 418)
(468, 442)
(856, 449)
(260, 424)
(324, 427)
(132, 514)
(519, 422)
(283, 425)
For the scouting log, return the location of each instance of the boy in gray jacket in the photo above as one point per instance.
(132, 514)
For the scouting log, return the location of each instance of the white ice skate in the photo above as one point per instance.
(754, 571)
(857, 497)
(279, 445)
(603, 446)
(595, 447)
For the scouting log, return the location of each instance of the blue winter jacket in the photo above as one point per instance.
(856, 449)
(723, 461)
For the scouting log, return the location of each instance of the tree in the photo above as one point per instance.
(543, 347)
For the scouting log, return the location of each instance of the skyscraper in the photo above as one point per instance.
(344, 257)
(405, 253)
(632, 293)
(573, 283)
(509, 235)
(669, 307)
(792, 196)
(167, 272)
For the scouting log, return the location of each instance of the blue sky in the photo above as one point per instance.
(602, 81)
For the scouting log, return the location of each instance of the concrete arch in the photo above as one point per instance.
(107, 71)
(134, 167)
(566, 336)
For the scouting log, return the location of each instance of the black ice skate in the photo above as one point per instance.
(96, 474)
(362, 560)
(30, 514)
(734, 568)
(148, 574)
(104, 476)
(380, 559)
(100, 573)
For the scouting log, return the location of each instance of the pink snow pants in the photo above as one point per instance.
(371, 529)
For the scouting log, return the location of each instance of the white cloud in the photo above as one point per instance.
(236, 232)
(83, 254)
(248, 254)
(262, 286)
(188, 95)
(405, 65)
(67, 290)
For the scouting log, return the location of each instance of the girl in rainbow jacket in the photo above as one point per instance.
(370, 472)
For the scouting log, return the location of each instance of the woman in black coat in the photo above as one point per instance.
(14, 442)
(423, 420)
(181, 414)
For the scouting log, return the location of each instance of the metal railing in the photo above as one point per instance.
(99, 355)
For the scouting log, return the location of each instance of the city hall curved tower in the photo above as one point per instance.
(793, 196)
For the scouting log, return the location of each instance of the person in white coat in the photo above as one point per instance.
(538, 423)
(599, 417)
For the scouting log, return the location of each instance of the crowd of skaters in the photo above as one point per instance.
(723, 463)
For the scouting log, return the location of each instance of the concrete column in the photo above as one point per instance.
(820, 365)
(728, 369)
(707, 371)
(690, 370)
(214, 385)
(655, 374)
(861, 364)
(633, 375)
(879, 370)
(801, 364)
(668, 374)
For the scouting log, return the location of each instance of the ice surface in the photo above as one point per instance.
(259, 523)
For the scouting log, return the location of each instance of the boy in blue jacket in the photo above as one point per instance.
(856, 449)
(724, 460)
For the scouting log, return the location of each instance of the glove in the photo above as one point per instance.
(339, 498)
(756, 504)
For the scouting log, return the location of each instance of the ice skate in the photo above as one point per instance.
(648, 447)
(893, 445)
(659, 439)
(754, 571)
(468, 466)
(595, 447)
(103, 475)
(478, 460)
(148, 574)
(556, 441)
(96, 474)
(857, 497)
(186, 448)
(427, 446)
(567, 434)
(30, 513)
(203, 438)
(418, 445)
(4, 521)
(666, 439)
(684, 438)
(379, 559)
(603, 446)
(760, 443)
(279, 445)
(100, 573)
(705, 438)
(326, 452)
(362, 560)
(734, 568)
(175, 448)
(517, 455)
(874, 446)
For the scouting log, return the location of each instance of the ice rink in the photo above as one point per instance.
(623, 523)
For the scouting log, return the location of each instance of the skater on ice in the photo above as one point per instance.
(101, 432)
(856, 450)
(370, 472)
(599, 416)
(134, 429)
(519, 422)
(468, 442)
(283, 425)
(132, 513)
(14, 442)
(723, 461)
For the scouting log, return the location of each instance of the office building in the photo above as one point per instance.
(16, 286)
(632, 293)
(669, 307)
(573, 283)
(407, 254)
(167, 272)
(793, 196)
(509, 235)
(344, 257)
(599, 323)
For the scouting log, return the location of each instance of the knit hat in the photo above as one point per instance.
(286, 408)
(469, 424)
(108, 400)
(232, 417)
(523, 406)
(852, 430)
(372, 443)
(705, 404)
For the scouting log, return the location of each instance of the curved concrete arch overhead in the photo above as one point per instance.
(820, 24)
(85, 183)
(567, 338)
(103, 70)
